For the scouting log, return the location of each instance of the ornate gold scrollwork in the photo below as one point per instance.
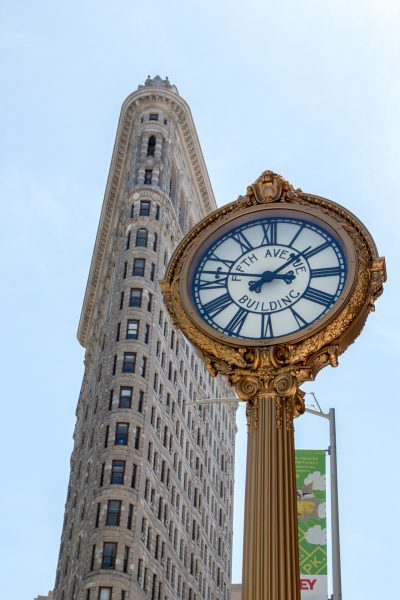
(285, 385)
(290, 398)
(270, 187)
(378, 277)
(248, 388)
(280, 387)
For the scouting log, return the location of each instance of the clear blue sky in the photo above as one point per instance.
(307, 88)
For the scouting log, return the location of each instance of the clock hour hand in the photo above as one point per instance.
(267, 276)
(287, 277)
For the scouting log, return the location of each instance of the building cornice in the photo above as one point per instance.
(150, 97)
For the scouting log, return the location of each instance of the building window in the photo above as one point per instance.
(153, 117)
(140, 572)
(121, 301)
(126, 559)
(141, 237)
(130, 515)
(117, 472)
(93, 557)
(121, 434)
(105, 593)
(109, 555)
(125, 269)
(128, 240)
(144, 210)
(140, 401)
(147, 333)
(151, 146)
(155, 242)
(118, 332)
(132, 329)
(102, 475)
(97, 515)
(158, 212)
(134, 477)
(113, 512)
(148, 174)
(137, 438)
(150, 302)
(144, 366)
(128, 366)
(125, 397)
(135, 298)
(153, 271)
(138, 267)
(114, 364)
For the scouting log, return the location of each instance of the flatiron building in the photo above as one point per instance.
(149, 507)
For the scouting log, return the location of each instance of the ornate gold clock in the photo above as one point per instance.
(276, 272)
(270, 289)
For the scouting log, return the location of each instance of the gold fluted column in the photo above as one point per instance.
(270, 552)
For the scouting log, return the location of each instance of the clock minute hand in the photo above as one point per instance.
(293, 257)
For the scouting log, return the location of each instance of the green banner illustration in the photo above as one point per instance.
(311, 508)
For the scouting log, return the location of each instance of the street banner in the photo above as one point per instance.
(311, 509)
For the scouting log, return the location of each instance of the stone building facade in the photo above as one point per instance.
(150, 498)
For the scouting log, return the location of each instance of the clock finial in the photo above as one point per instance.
(271, 187)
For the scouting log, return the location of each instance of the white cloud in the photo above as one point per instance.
(318, 480)
(316, 535)
(322, 510)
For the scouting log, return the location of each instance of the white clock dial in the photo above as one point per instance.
(270, 277)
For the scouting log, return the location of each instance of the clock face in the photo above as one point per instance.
(269, 276)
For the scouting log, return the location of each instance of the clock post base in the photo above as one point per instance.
(270, 553)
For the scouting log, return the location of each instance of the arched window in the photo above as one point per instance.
(151, 146)
(144, 210)
(141, 237)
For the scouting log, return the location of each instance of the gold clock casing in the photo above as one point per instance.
(320, 344)
(223, 225)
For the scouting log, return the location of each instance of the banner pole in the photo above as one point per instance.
(336, 571)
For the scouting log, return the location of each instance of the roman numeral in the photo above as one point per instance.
(300, 229)
(236, 323)
(228, 263)
(216, 306)
(266, 327)
(243, 242)
(299, 319)
(316, 250)
(217, 284)
(327, 272)
(269, 232)
(318, 296)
